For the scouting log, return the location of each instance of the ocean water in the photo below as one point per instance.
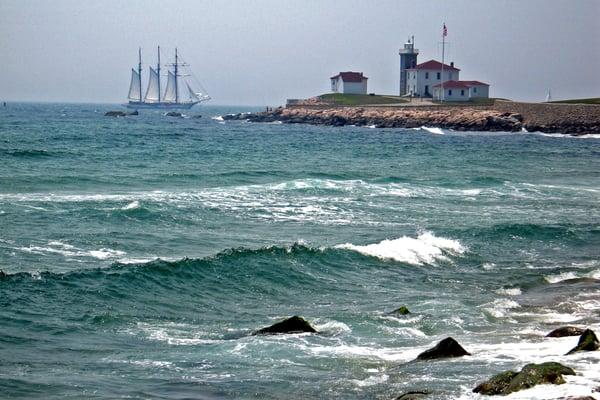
(140, 253)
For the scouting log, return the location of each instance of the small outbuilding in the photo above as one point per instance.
(349, 83)
(461, 90)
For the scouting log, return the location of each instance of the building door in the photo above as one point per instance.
(427, 90)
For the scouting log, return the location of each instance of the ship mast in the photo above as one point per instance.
(140, 71)
(158, 73)
(176, 89)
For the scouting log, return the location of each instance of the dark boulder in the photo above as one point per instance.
(3, 274)
(135, 112)
(531, 375)
(414, 395)
(294, 324)
(587, 342)
(400, 311)
(198, 116)
(578, 398)
(503, 123)
(115, 114)
(174, 114)
(498, 384)
(447, 348)
(338, 120)
(566, 331)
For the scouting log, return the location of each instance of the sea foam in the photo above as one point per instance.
(425, 249)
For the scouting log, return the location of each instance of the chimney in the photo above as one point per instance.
(452, 64)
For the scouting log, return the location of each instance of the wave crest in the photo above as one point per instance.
(425, 249)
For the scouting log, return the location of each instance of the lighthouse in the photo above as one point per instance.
(408, 59)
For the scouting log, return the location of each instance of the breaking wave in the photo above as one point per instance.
(425, 249)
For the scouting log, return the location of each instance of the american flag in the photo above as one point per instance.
(445, 31)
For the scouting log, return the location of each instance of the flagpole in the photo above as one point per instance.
(442, 76)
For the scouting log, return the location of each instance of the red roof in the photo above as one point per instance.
(460, 84)
(453, 85)
(434, 65)
(350, 76)
(475, 83)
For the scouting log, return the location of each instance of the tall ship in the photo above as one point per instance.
(178, 94)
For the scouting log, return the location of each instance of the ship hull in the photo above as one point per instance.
(160, 106)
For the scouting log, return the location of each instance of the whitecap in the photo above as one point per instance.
(67, 250)
(104, 254)
(425, 249)
(131, 206)
(435, 131)
(371, 381)
(500, 307)
(217, 118)
(331, 327)
(488, 266)
(176, 334)
(563, 276)
(509, 291)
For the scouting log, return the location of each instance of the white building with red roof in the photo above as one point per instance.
(425, 80)
(461, 90)
(349, 83)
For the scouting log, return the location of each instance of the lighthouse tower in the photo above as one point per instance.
(408, 59)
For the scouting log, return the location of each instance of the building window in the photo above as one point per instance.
(449, 92)
(438, 76)
(474, 90)
(450, 75)
(426, 75)
(462, 92)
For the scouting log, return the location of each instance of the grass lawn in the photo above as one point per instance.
(479, 101)
(579, 101)
(360, 99)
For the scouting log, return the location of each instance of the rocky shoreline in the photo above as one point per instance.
(503, 383)
(502, 116)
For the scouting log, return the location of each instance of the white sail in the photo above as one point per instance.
(193, 96)
(153, 90)
(135, 91)
(170, 92)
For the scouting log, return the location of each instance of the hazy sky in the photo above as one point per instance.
(262, 52)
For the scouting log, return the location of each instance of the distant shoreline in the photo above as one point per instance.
(571, 119)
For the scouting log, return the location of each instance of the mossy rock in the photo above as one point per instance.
(566, 331)
(587, 342)
(401, 311)
(414, 395)
(294, 324)
(447, 348)
(497, 384)
(531, 375)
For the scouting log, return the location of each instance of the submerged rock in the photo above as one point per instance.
(414, 395)
(115, 114)
(3, 274)
(531, 375)
(587, 342)
(401, 311)
(447, 348)
(566, 331)
(120, 113)
(294, 324)
(174, 114)
(578, 398)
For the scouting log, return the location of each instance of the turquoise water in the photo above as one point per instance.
(141, 253)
